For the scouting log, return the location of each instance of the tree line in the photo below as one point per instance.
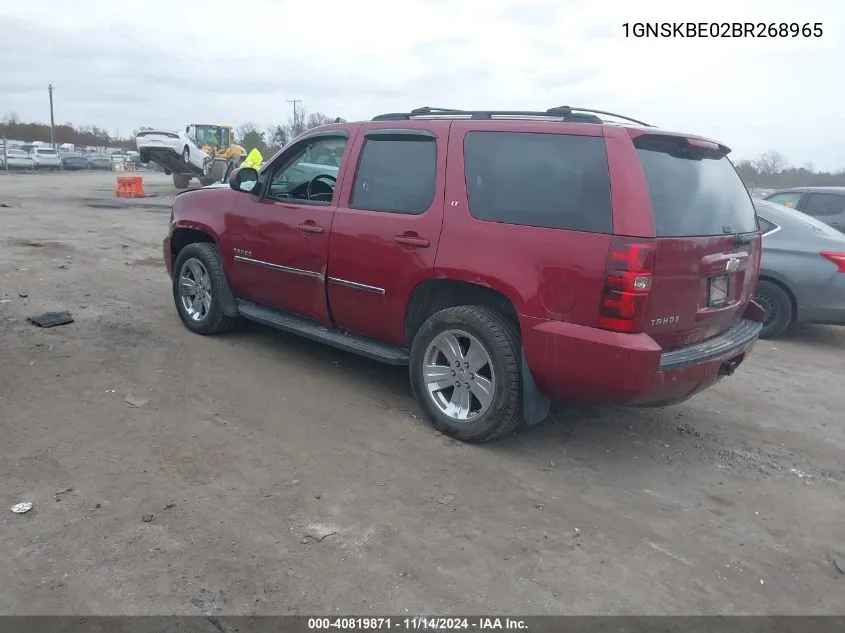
(771, 170)
(250, 135)
(11, 127)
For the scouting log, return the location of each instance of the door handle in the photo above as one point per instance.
(412, 240)
(310, 227)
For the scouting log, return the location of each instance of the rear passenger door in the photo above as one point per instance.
(386, 229)
(827, 207)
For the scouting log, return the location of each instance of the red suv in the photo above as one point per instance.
(508, 258)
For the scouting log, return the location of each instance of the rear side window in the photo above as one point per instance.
(554, 181)
(824, 204)
(765, 225)
(694, 191)
(396, 174)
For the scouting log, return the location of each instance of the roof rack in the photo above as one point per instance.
(567, 113)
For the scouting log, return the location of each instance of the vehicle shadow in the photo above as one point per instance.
(618, 438)
(814, 335)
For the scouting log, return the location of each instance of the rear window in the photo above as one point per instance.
(694, 191)
(554, 181)
(47, 151)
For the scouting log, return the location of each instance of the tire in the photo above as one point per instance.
(209, 319)
(778, 306)
(500, 341)
(181, 181)
(186, 155)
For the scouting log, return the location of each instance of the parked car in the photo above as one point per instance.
(18, 159)
(823, 203)
(99, 161)
(802, 276)
(506, 260)
(46, 158)
(74, 161)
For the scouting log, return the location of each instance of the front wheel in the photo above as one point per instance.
(198, 283)
(465, 373)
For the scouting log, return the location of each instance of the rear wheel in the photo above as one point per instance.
(180, 181)
(186, 155)
(777, 306)
(465, 373)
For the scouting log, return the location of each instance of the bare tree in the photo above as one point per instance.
(770, 163)
(248, 128)
(277, 136)
(316, 119)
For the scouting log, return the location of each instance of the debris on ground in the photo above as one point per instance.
(446, 499)
(5, 300)
(318, 532)
(23, 295)
(63, 492)
(51, 319)
(169, 506)
(21, 508)
(147, 518)
(838, 563)
(5, 206)
(135, 401)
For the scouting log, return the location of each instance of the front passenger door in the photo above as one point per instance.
(280, 238)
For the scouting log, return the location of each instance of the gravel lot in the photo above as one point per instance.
(267, 474)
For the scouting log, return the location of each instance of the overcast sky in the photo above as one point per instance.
(121, 65)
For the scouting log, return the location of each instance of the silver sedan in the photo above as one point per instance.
(802, 277)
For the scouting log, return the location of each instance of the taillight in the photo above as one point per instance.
(627, 285)
(836, 258)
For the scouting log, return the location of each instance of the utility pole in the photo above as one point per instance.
(52, 120)
(295, 120)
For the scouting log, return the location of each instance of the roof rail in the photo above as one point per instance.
(567, 113)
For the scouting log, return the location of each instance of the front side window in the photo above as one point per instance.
(788, 199)
(300, 179)
(396, 174)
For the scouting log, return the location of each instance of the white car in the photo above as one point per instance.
(18, 159)
(154, 141)
(46, 158)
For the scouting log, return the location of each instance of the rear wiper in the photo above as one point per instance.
(742, 240)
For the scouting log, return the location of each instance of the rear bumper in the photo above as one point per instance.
(582, 364)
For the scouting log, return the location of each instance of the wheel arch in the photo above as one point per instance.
(432, 295)
(182, 237)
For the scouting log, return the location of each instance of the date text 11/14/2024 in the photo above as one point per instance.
(418, 624)
(722, 29)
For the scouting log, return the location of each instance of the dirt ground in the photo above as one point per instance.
(268, 474)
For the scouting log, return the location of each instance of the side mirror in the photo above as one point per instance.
(244, 179)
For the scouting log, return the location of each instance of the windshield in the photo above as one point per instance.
(694, 192)
(206, 135)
